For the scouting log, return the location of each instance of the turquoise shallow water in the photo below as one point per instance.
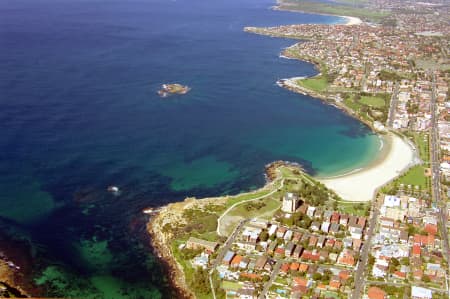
(79, 111)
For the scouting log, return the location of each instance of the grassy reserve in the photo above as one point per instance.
(317, 84)
(414, 182)
(257, 208)
(373, 101)
(415, 177)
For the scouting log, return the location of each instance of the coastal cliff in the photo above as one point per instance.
(169, 224)
(161, 228)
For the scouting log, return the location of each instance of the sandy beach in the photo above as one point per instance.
(396, 156)
(352, 20)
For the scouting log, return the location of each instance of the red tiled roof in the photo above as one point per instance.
(344, 275)
(284, 268)
(298, 281)
(431, 228)
(294, 266)
(335, 284)
(236, 260)
(376, 293)
(400, 274)
(303, 267)
(279, 250)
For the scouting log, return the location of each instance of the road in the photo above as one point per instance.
(435, 175)
(393, 106)
(273, 275)
(226, 246)
(362, 265)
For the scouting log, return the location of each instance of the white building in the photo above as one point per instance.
(290, 202)
(421, 293)
(391, 201)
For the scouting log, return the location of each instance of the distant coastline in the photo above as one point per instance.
(350, 20)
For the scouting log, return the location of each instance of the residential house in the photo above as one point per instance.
(297, 251)
(346, 258)
(312, 240)
(294, 266)
(279, 252)
(288, 235)
(335, 217)
(334, 228)
(310, 211)
(281, 231)
(335, 283)
(272, 246)
(261, 262)
(315, 226)
(273, 229)
(343, 220)
(229, 255)
(357, 243)
(376, 293)
(236, 261)
(289, 249)
(325, 227)
(321, 241)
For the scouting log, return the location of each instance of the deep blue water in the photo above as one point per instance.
(79, 111)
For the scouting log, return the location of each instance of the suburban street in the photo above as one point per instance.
(393, 106)
(362, 265)
(274, 274)
(435, 177)
(224, 250)
(228, 244)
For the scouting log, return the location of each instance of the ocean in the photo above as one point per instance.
(79, 111)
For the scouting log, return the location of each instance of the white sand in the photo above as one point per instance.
(353, 20)
(361, 185)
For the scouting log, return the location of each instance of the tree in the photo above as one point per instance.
(317, 276)
(371, 260)
(426, 279)
(199, 281)
(264, 236)
(395, 262)
(404, 261)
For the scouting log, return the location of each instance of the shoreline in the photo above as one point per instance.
(396, 156)
(330, 99)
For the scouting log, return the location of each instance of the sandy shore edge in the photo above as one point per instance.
(395, 157)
